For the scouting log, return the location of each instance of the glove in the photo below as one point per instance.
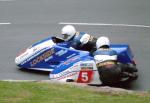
(84, 39)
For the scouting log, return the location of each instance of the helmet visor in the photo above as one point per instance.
(65, 37)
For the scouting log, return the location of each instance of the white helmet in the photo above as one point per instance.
(68, 32)
(101, 41)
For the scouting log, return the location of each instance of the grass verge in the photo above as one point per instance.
(39, 92)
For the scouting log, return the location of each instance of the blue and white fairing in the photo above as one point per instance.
(46, 55)
(65, 63)
(36, 56)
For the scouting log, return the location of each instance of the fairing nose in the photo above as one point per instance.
(21, 57)
(17, 61)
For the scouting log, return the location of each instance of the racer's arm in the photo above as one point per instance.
(89, 42)
(88, 39)
(85, 38)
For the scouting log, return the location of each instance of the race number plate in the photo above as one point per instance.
(85, 76)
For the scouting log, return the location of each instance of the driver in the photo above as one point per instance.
(109, 69)
(78, 40)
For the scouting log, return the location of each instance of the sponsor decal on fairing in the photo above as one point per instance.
(70, 60)
(69, 71)
(61, 52)
(86, 66)
(29, 57)
(42, 57)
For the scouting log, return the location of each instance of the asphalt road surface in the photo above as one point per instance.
(24, 22)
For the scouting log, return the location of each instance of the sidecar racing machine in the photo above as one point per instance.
(65, 64)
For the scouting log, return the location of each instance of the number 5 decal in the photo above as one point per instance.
(85, 76)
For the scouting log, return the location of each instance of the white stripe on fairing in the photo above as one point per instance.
(42, 69)
(103, 24)
(5, 23)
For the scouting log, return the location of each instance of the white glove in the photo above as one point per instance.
(85, 38)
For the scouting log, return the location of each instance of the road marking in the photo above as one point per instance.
(103, 24)
(5, 23)
(7, 0)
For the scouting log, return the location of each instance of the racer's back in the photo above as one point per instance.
(106, 61)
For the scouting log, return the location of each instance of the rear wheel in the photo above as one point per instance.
(128, 76)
